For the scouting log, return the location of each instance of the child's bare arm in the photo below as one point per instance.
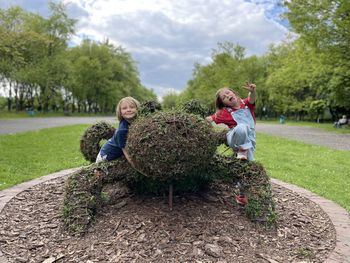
(127, 156)
(252, 92)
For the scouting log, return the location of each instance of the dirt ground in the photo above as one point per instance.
(207, 227)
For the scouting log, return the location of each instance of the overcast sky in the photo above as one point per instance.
(166, 37)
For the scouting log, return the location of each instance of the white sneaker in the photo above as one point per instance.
(242, 154)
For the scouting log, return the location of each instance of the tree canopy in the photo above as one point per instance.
(306, 76)
(39, 70)
(324, 27)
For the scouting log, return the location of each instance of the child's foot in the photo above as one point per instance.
(242, 154)
(241, 200)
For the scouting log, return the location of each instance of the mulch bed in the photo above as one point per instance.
(206, 227)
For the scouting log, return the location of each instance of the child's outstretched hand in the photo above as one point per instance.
(249, 86)
(252, 94)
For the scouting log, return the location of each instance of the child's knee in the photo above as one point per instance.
(241, 130)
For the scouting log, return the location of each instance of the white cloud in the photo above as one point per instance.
(162, 91)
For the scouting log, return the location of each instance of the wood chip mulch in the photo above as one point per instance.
(206, 227)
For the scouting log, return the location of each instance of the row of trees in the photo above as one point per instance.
(39, 70)
(303, 77)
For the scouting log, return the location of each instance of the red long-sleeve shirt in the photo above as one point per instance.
(224, 115)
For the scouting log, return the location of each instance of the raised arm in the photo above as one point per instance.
(252, 92)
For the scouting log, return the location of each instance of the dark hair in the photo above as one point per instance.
(218, 101)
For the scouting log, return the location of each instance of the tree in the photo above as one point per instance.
(296, 77)
(317, 108)
(101, 75)
(11, 26)
(170, 101)
(324, 26)
(33, 44)
(40, 70)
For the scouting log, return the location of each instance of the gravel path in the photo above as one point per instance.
(306, 134)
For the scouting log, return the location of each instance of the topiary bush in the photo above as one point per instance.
(90, 141)
(255, 184)
(149, 107)
(174, 148)
(171, 145)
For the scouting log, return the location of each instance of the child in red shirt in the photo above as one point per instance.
(238, 115)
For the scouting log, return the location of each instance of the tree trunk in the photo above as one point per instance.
(16, 98)
(9, 99)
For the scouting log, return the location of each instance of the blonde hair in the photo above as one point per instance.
(219, 104)
(129, 100)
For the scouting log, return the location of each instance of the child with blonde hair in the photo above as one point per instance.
(114, 148)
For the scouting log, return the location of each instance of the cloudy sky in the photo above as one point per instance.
(166, 37)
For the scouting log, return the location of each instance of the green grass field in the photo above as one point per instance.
(324, 171)
(321, 170)
(28, 155)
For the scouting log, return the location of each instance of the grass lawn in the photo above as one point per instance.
(321, 170)
(24, 156)
(324, 171)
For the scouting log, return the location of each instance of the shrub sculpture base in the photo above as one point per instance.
(169, 148)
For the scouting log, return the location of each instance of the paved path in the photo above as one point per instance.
(308, 135)
(30, 124)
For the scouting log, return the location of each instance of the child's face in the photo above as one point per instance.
(229, 98)
(128, 110)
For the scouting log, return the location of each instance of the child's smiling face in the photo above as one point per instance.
(229, 98)
(128, 110)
